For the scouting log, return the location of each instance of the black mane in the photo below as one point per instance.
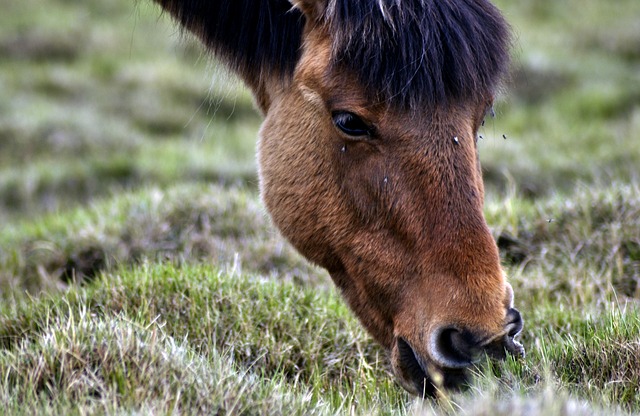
(251, 36)
(410, 53)
(417, 52)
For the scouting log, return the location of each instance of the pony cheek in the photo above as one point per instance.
(368, 186)
(297, 186)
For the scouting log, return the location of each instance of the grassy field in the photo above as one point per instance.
(140, 274)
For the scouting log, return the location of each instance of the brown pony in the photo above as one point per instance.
(369, 165)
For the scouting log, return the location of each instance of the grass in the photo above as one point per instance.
(139, 272)
(582, 330)
(181, 329)
(183, 223)
(162, 324)
(572, 111)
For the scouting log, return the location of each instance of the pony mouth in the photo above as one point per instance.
(420, 378)
(506, 340)
(498, 345)
(455, 351)
(412, 371)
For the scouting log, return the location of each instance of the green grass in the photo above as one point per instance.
(292, 330)
(183, 223)
(162, 336)
(139, 272)
(572, 109)
(196, 339)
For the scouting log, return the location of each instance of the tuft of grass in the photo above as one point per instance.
(102, 364)
(185, 223)
(549, 401)
(196, 339)
(163, 337)
(581, 248)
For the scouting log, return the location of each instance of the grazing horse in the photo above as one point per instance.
(368, 161)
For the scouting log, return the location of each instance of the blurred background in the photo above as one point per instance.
(101, 97)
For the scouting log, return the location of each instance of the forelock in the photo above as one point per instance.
(412, 53)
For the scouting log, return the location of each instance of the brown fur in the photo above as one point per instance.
(396, 221)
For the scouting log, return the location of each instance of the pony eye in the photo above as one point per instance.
(351, 124)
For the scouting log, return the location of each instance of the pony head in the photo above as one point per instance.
(369, 165)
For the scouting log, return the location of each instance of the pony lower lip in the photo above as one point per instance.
(515, 348)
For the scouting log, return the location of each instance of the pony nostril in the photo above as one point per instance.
(453, 348)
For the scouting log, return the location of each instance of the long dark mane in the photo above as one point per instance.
(420, 52)
(251, 36)
(410, 53)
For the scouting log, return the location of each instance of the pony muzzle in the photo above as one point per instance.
(450, 351)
